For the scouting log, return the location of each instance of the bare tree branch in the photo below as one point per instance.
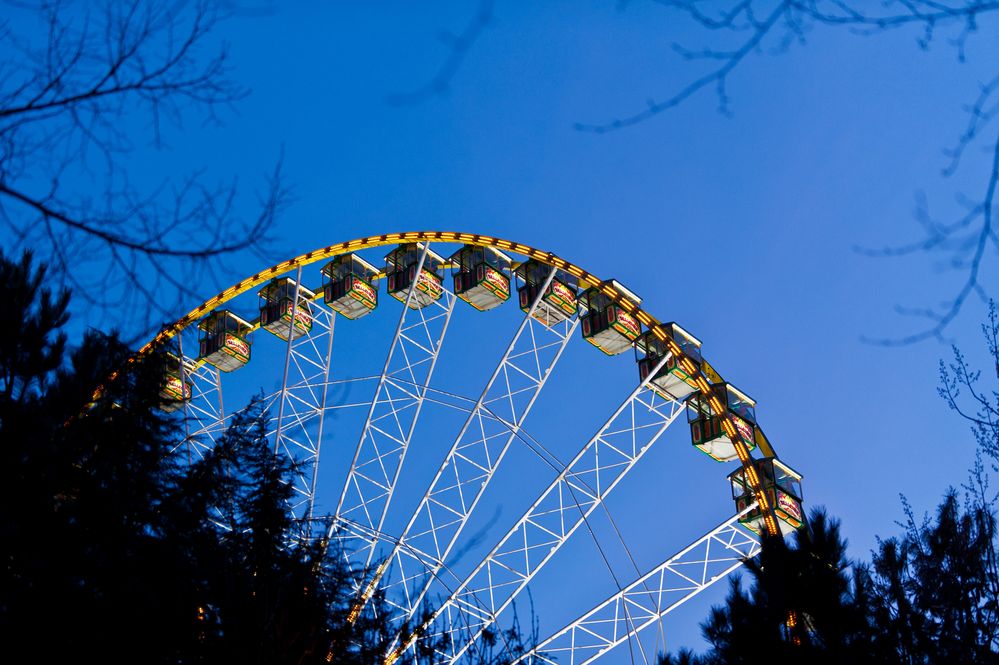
(975, 244)
(957, 377)
(458, 48)
(795, 17)
(76, 96)
(737, 28)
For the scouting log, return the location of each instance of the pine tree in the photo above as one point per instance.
(117, 549)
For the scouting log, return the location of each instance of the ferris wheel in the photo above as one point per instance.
(365, 358)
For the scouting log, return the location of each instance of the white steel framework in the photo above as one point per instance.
(648, 599)
(302, 401)
(391, 421)
(470, 464)
(417, 564)
(204, 412)
(528, 546)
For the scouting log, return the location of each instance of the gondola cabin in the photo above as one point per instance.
(277, 308)
(481, 276)
(176, 388)
(676, 378)
(782, 486)
(224, 342)
(558, 302)
(400, 268)
(349, 286)
(707, 433)
(605, 324)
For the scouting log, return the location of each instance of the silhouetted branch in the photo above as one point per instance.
(458, 47)
(737, 28)
(979, 115)
(730, 60)
(790, 19)
(973, 246)
(77, 96)
(958, 378)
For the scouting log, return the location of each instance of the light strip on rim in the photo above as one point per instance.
(585, 278)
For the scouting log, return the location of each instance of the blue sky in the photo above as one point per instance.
(739, 227)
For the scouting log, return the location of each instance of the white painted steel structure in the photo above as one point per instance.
(644, 602)
(410, 564)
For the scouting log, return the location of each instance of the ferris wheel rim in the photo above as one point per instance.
(615, 294)
(584, 278)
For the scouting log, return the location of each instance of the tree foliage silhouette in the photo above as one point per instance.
(929, 595)
(116, 548)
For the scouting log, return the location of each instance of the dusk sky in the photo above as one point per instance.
(743, 228)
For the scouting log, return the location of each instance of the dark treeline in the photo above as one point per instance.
(927, 596)
(116, 548)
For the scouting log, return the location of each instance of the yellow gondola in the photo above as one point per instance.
(481, 276)
(606, 325)
(706, 431)
(676, 379)
(559, 300)
(400, 268)
(224, 343)
(349, 286)
(782, 486)
(277, 304)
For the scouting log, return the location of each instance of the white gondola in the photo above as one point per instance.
(676, 379)
(277, 306)
(400, 268)
(481, 276)
(177, 387)
(605, 324)
(224, 342)
(349, 286)
(559, 300)
(782, 486)
(706, 430)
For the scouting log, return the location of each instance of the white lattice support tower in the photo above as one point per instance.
(301, 403)
(563, 506)
(473, 459)
(392, 419)
(644, 602)
(204, 413)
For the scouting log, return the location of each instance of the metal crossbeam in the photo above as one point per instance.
(648, 599)
(473, 459)
(579, 489)
(204, 415)
(301, 403)
(392, 418)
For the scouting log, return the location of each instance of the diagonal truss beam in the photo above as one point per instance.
(477, 451)
(648, 599)
(204, 413)
(392, 420)
(579, 489)
(301, 401)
